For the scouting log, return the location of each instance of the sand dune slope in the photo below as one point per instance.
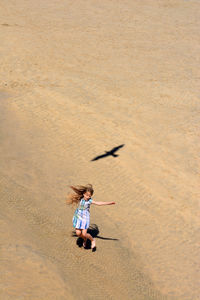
(79, 79)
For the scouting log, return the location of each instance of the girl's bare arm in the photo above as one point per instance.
(102, 203)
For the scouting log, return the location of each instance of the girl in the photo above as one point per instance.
(81, 218)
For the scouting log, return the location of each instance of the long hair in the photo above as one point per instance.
(78, 193)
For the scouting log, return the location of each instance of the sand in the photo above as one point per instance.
(79, 78)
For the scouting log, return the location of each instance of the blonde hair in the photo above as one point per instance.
(78, 193)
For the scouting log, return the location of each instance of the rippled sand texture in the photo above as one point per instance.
(79, 78)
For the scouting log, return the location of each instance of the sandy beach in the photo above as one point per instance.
(78, 79)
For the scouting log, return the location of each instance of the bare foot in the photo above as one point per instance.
(93, 246)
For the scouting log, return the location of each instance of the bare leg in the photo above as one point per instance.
(88, 236)
(79, 234)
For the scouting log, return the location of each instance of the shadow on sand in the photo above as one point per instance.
(109, 153)
(94, 231)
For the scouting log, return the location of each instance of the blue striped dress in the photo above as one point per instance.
(81, 218)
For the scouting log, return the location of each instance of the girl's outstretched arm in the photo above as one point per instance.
(102, 203)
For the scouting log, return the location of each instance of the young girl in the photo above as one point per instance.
(81, 218)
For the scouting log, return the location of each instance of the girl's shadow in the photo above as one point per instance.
(93, 230)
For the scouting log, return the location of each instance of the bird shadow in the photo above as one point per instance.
(93, 230)
(109, 153)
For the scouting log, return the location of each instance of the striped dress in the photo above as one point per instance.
(81, 218)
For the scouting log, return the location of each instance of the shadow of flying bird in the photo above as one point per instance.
(109, 153)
